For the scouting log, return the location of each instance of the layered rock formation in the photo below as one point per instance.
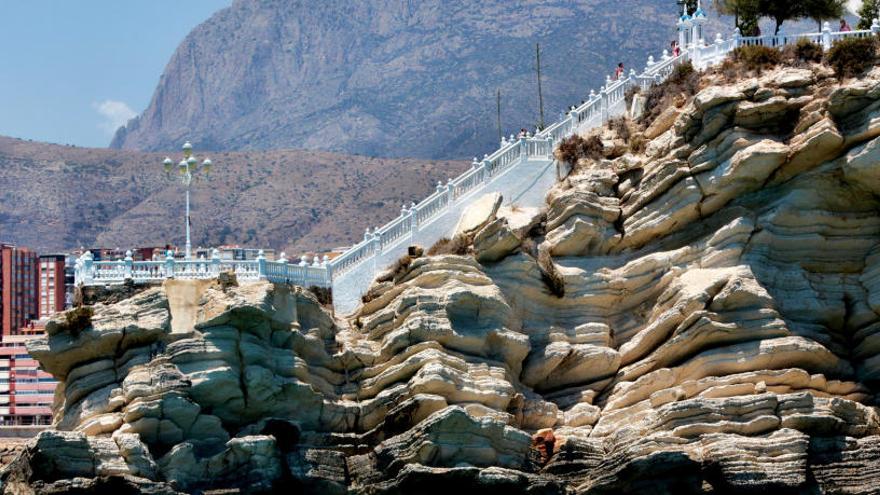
(703, 317)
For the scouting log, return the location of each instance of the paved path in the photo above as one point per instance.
(524, 184)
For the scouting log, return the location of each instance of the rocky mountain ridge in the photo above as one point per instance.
(389, 78)
(699, 315)
(56, 198)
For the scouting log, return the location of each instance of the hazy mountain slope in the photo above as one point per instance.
(388, 77)
(57, 197)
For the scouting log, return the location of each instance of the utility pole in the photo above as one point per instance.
(540, 91)
(498, 107)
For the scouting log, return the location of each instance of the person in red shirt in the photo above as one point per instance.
(844, 26)
(618, 72)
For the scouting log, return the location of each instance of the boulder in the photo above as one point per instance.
(479, 213)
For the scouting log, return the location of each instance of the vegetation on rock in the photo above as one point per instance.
(852, 56)
(576, 147)
(683, 83)
(869, 11)
(458, 245)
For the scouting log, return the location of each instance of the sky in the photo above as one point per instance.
(72, 71)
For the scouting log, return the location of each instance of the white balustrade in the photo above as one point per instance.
(593, 112)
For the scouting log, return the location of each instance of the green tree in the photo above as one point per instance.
(785, 10)
(823, 10)
(781, 11)
(870, 10)
(746, 14)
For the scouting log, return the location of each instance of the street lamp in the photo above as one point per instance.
(187, 167)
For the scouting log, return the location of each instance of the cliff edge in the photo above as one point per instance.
(699, 314)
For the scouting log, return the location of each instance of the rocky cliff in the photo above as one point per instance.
(702, 316)
(388, 77)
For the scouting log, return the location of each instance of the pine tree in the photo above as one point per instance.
(823, 10)
(745, 14)
(784, 10)
(870, 10)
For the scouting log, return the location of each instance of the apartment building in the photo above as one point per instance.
(26, 392)
(19, 282)
(53, 290)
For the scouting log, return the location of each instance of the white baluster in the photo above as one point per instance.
(261, 264)
(129, 265)
(169, 264)
(826, 35)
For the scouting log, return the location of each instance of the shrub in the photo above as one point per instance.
(620, 126)
(683, 83)
(575, 147)
(550, 275)
(458, 245)
(630, 95)
(850, 57)
(757, 58)
(324, 295)
(805, 51)
(682, 72)
(638, 144)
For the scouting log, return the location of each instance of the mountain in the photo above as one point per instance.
(58, 197)
(389, 77)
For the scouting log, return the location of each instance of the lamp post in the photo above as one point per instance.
(187, 167)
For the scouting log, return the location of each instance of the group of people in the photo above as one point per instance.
(675, 51)
(675, 48)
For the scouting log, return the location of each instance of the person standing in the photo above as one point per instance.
(618, 72)
(844, 26)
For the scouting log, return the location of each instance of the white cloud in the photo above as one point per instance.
(115, 114)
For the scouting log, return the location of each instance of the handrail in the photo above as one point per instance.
(595, 110)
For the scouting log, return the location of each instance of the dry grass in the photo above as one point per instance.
(638, 144)
(401, 266)
(324, 295)
(802, 52)
(550, 275)
(575, 147)
(681, 85)
(757, 58)
(630, 95)
(458, 245)
(620, 126)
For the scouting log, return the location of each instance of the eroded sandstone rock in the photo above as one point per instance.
(719, 332)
